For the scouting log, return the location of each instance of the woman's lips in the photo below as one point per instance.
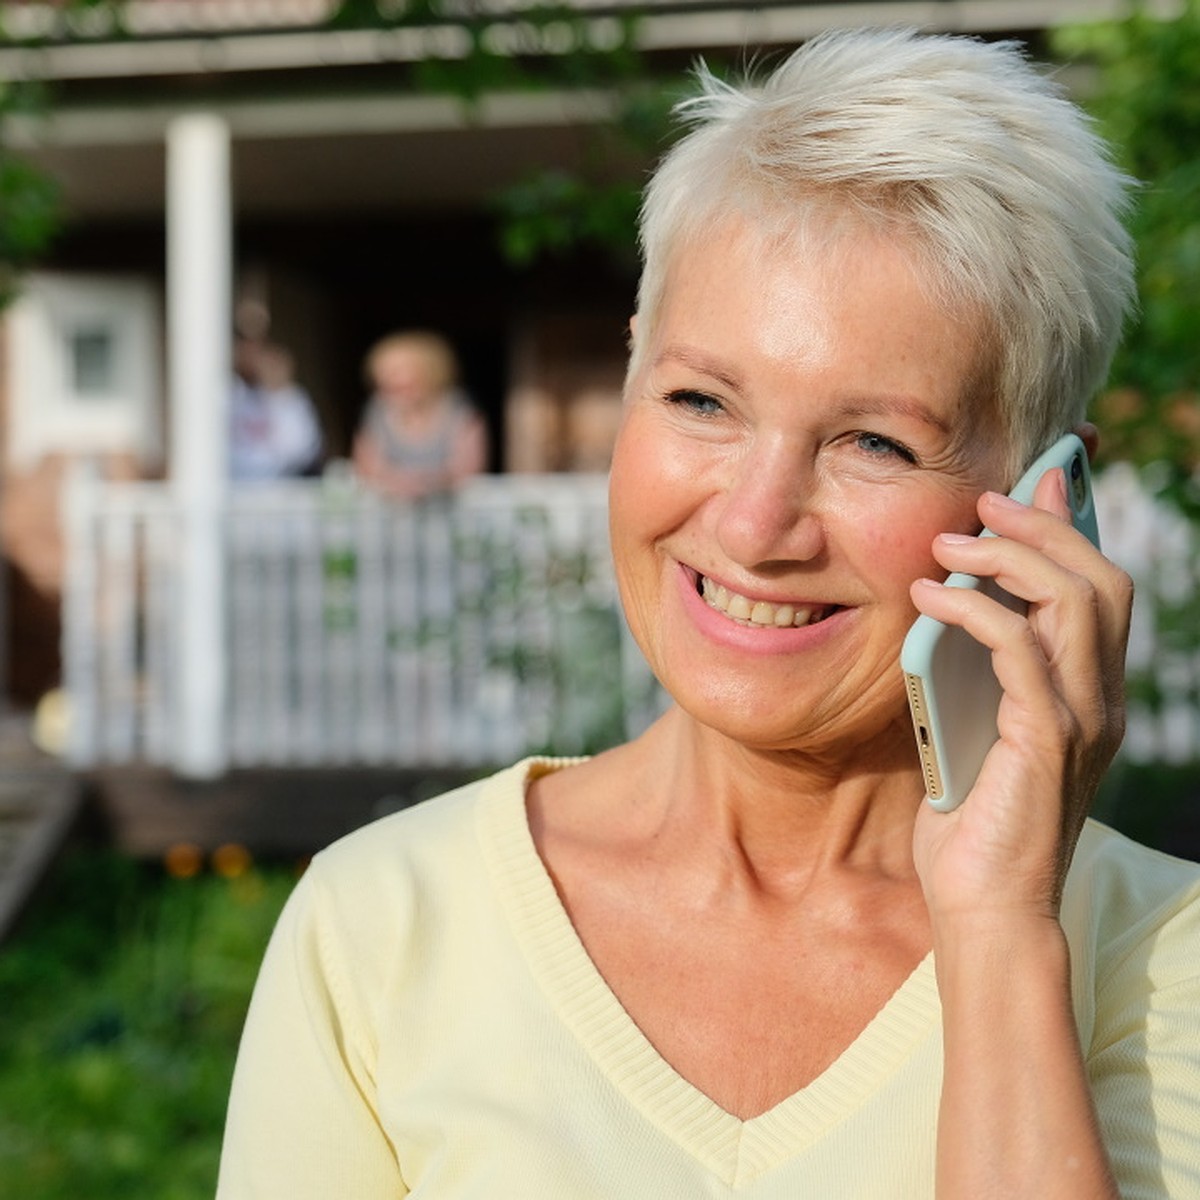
(747, 611)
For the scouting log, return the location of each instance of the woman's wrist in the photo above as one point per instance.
(1000, 943)
(1017, 1117)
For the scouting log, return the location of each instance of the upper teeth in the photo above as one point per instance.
(758, 612)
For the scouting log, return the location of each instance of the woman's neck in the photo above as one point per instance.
(784, 817)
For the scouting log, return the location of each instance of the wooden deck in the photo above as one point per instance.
(275, 814)
(39, 804)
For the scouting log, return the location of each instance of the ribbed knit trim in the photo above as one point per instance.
(736, 1151)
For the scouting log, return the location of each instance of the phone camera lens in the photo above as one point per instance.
(1078, 486)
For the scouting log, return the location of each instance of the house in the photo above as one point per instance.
(298, 159)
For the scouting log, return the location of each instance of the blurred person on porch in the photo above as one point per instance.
(274, 431)
(419, 435)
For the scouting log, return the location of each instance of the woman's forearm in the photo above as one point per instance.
(1017, 1119)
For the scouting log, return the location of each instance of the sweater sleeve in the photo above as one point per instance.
(1145, 1057)
(302, 1119)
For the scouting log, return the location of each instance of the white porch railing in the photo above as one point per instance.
(1160, 548)
(462, 632)
(457, 632)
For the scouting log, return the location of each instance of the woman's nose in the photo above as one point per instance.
(770, 511)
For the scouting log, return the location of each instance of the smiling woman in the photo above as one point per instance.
(741, 954)
(796, 433)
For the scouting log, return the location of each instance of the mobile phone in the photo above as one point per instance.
(953, 692)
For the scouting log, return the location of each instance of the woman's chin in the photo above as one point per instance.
(775, 720)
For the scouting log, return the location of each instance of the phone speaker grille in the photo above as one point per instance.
(925, 747)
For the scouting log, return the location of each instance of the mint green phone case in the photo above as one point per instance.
(952, 691)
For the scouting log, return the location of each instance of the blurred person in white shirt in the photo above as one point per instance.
(274, 431)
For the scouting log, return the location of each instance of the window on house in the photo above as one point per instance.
(85, 367)
(91, 362)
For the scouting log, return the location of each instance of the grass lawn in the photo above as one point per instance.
(122, 995)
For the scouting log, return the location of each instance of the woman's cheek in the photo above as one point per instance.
(654, 468)
(899, 538)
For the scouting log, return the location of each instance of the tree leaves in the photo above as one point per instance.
(1147, 101)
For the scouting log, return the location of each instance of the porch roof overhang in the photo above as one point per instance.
(304, 144)
(275, 35)
(305, 155)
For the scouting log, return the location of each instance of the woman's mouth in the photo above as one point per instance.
(759, 612)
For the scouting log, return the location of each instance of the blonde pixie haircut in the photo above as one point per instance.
(966, 153)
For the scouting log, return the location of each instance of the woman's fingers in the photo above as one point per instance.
(1073, 637)
(1041, 559)
(1060, 665)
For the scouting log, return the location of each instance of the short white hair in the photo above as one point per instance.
(966, 152)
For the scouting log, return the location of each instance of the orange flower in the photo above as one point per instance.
(231, 860)
(184, 860)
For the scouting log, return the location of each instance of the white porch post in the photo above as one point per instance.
(199, 324)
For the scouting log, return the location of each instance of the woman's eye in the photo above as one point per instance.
(698, 402)
(877, 444)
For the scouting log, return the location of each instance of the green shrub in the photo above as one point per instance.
(124, 995)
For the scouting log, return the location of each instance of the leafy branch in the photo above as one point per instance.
(30, 207)
(1147, 101)
(540, 47)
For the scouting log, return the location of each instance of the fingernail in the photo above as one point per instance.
(1003, 501)
(955, 539)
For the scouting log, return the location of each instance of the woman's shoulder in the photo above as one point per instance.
(1126, 902)
(430, 827)
(1128, 873)
(438, 838)
(399, 833)
(422, 870)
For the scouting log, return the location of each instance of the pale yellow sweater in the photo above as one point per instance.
(427, 1021)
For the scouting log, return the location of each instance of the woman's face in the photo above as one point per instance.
(403, 377)
(803, 424)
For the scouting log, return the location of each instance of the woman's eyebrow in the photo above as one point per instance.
(904, 406)
(697, 360)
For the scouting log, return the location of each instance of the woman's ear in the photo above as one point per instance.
(1089, 435)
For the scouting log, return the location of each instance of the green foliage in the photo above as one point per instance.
(30, 205)
(540, 47)
(1153, 803)
(30, 210)
(124, 995)
(29, 218)
(554, 211)
(1147, 101)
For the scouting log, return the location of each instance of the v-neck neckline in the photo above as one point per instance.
(735, 1150)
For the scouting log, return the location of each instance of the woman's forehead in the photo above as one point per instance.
(785, 276)
(854, 307)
